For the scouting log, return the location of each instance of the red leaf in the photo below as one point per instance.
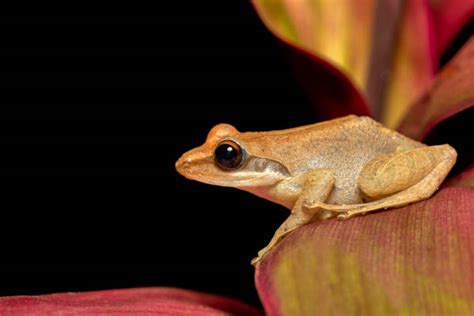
(144, 301)
(328, 69)
(451, 93)
(326, 86)
(464, 179)
(416, 260)
(449, 16)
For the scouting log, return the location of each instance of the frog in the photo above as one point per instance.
(338, 168)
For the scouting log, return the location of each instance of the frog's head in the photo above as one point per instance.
(228, 159)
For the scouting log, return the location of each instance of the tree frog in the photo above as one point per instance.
(337, 168)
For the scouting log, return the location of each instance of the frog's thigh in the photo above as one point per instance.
(425, 187)
(391, 174)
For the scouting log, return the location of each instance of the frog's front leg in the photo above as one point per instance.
(317, 184)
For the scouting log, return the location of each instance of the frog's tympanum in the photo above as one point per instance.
(342, 167)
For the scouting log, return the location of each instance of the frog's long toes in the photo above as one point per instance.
(255, 261)
(344, 215)
(350, 214)
(324, 214)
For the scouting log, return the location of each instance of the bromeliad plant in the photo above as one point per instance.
(365, 57)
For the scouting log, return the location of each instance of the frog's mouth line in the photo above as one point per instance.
(242, 179)
(254, 172)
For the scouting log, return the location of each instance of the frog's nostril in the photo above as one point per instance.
(179, 163)
(183, 165)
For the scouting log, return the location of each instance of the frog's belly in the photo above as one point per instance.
(346, 195)
(346, 189)
(347, 168)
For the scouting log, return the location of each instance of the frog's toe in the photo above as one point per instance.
(324, 214)
(343, 216)
(261, 254)
(350, 214)
(255, 261)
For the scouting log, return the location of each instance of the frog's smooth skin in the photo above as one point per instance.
(346, 166)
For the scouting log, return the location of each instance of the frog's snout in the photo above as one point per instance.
(192, 162)
(183, 165)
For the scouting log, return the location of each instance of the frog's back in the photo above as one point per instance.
(344, 145)
(355, 142)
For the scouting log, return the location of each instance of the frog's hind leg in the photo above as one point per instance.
(400, 179)
(387, 175)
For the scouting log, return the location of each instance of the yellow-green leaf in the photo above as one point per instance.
(336, 31)
(416, 260)
(389, 49)
(413, 65)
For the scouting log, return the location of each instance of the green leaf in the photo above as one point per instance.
(416, 260)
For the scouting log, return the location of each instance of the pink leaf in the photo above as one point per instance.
(324, 76)
(416, 260)
(449, 16)
(464, 179)
(325, 85)
(451, 93)
(140, 301)
(388, 49)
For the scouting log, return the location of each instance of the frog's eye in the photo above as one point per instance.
(229, 155)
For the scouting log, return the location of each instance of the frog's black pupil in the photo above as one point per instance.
(228, 155)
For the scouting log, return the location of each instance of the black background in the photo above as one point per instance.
(105, 98)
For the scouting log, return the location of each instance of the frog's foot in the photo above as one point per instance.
(261, 254)
(255, 261)
(349, 214)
